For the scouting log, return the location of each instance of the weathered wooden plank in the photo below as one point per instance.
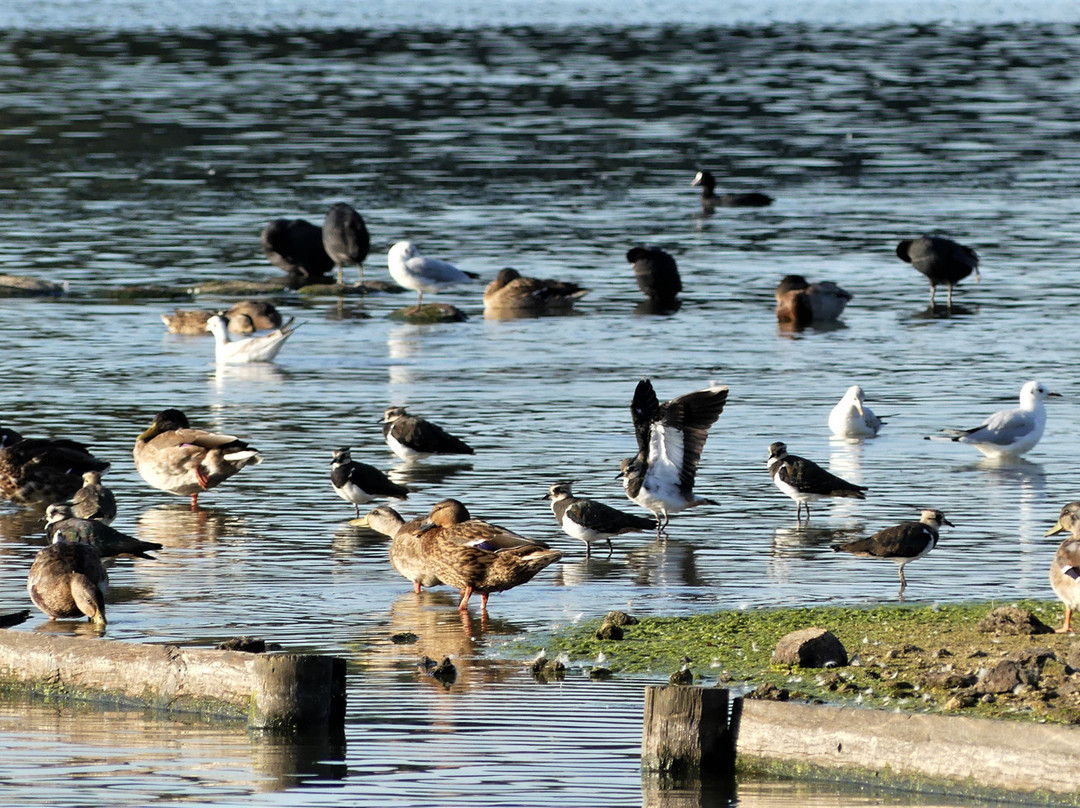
(686, 732)
(277, 691)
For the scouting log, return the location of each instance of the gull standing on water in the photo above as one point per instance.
(1065, 569)
(252, 349)
(1008, 433)
(941, 260)
(670, 438)
(805, 481)
(902, 543)
(413, 271)
(851, 418)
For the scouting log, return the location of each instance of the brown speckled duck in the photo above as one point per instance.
(477, 556)
(245, 317)
(406, 555)
(68, 580)
(1065, 569)
(173, 457)
(40, 471)
(513, 293)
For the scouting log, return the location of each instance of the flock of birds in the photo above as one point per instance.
(448, 546)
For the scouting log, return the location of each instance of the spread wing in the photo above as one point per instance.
(644, 409)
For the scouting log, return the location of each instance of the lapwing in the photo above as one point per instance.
(360, 483)
(591, 521)
(901, 543)
(670, 438)
(1008, 433)
(94, 500)
(805, 481)
(412, 438)
(63, 525)
(941, 260)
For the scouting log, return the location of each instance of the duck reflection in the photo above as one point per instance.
(665, 563)
(647, 308)
(350, 539)
(176, 525)
(786, 329)
(27, 524)
(266, 374)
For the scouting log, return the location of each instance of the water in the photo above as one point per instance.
(137, 149)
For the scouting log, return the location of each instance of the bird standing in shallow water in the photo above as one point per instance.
(172, 456)
(406, 555)
(63, 525)
(657, 276)
(345, 238)
(94, 500)
(805, 481)
(801, 303)
(476, 556)
(360, 483)
(851, 418)
(711, 200)
(412, 438)
(262, 348)
(1065, 569)
(68, 580)
(1008, 433)
(941, 260)
(296, 246)
(902, 543)
(413, 271)
(590, 521)
(670, 438)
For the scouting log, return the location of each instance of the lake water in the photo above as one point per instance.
(142, 149)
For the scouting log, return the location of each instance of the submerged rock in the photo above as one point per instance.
(25, 286)
(430, 313)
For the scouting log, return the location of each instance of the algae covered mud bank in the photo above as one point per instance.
(993, 660)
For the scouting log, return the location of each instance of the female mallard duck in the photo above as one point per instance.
(476, 556)
(245, 317)
(1065, 570)
(68, 580)
(40, 471)
(406, 556)
(173, 457)
(803, 303)
(511, 292)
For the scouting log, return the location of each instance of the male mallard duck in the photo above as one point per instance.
(406, 556)
(345, 238)
(851, 418)
(901, 543)
(711, 200)
(94, 500)
(412, 438)
(69, 580)
(941, 260)
(262, 348)
(513, 292)
(173, 457)
(360, 483)
(1065, 570)
(40, 471)
(63, 525)
(802, 303)
(493, 559)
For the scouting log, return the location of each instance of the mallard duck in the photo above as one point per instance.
(192, 323)
(511, 291)
(262, 348)
(657, 275)
(296, 246)
(1065, 569)
(173, 457)
(414, 271)
(406, 555)
(476, 556)
(253, 315)
(851, 418)
(802, 303)
(345, 238)
(591, 521)
(360, 483)
(941, 260)
(63, 525)
(412, 438)
(68, 580)
(711, 200)
(40, 471)
(901, 543)
(94, 500)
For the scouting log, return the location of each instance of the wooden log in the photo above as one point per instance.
(686, 732)
(1011, 756)
(282, 692)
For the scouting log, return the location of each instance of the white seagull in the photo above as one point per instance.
(1008, 433)
(253, 349)
(851, 418)
(413, 271)
(670, 438)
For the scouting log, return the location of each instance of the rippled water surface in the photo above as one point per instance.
(156, 154)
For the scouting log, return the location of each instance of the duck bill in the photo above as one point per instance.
(1058, 528)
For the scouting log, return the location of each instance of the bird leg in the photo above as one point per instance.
(360, 268)
(609, 547)
(662, 520)
(195, 501)
(416, 587)
(1066, 627)
(933, 291)
(357, 508)
(483, 602)
(340, 274)
(419, 299)
(949, 301)
(903, 582)
(466, 593)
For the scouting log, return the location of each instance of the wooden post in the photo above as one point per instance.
(687, 732)
(294, 691)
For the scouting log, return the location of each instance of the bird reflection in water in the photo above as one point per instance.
(265, 374)
(176, 525)
(940, 311)
(664, 564)
(425, 474)
(27, 524)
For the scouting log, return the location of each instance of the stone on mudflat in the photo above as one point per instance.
(1012, 620)
(810, 648)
